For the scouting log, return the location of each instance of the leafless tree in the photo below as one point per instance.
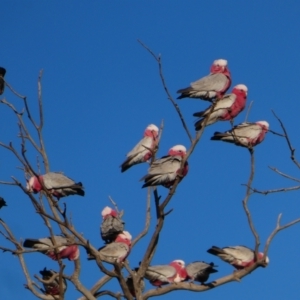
(53, 213)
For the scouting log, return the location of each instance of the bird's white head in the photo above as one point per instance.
(152, 127)
(241, 87)
(126, 235)
(179, 262)
(220, 62)
(179, 150)
(263, 123)
(267, 260)
(29, 185)
(106, 211)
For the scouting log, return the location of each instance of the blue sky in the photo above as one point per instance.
(101, 89)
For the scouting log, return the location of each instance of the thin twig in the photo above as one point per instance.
(276, 230)
(248, 111)
(293, 188)
(158, 60)
(284, 175)
(147, 223)
(292, 149)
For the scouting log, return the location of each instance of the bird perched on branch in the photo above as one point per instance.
(239, 257)
(163, 274)
(164, 171)
(143, 151)
(211, 86)
(2, 202)
(53, 288)
(117, 251)
(111, 225)
(246, 134)
(57, 184)
(225, 109)
(2, 83)
(200, 271)
(46, 246)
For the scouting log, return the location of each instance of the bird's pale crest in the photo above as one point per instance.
(126, 235)
(106, 211)
(221, 62)
(152, 127)
(179, 261)
(264, 123)
(241, 87)
(178, 148)
(29, 184)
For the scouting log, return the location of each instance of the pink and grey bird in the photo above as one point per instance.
(163, 274)
(142, 152)
(111, 225)
(239, 257)
(2, 83)
(200, 271)
(246, 134)
(164, 171)
(53, 288)
(57, 184)
(45, 246)
(211, 86)
(117, 251)
(225, 109)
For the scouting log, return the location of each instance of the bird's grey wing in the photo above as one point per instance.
(160, 272)
(166, 165)
(141, 148)
(196, 267)
(225, 102)
(114, 250)
(212, 82)
(241, 253)
(110, 227)
(57, 180)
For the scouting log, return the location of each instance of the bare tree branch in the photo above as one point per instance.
(276, 230)
(284, 175)
(158, 60)
(292, 149)
(266, 192)
(245, 205)
(148, 217)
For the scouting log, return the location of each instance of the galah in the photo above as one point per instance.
(239, 257)
(200, 271)
(2, 202)
(57, 184)
(142, 152)
(245, 134)
(53, 288)
(2, 83)
(211, 86)
(111, 225)
(164, 274)
(117, 251)
(225, 109)
(164, 171)
(45, 246)
(130, 285)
